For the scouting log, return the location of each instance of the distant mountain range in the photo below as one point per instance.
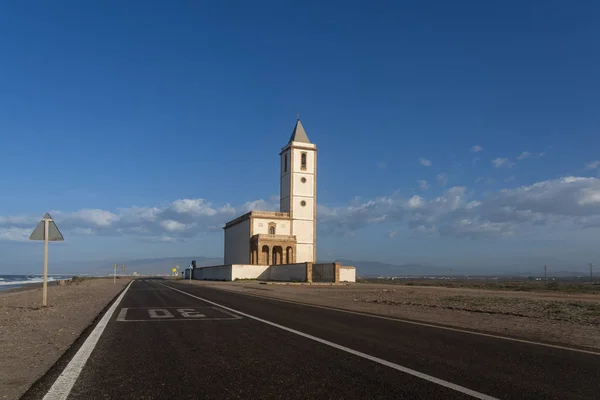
(363, 268)
(376, 268)
(141, 266)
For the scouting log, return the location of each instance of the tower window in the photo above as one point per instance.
(303, 180)
(303, 161)
(272, 226)
(285, 163)
(303, 203)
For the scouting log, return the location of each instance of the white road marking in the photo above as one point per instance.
(64, 383)
(122, 314)
(164, 313)
(122, 317)
(554, 346)
(378, 360)
(190, 313)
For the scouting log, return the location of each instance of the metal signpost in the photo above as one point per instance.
(48, 232)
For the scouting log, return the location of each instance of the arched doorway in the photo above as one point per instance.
(265, 255)
(277, 255)
(289, 255)
(252, 253)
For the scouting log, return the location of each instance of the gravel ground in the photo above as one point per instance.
(32, 338)
(568, 319)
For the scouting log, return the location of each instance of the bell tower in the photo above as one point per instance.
(298, 191)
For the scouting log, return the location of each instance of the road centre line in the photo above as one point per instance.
(64, 383)
(381, 361)
(554, 346)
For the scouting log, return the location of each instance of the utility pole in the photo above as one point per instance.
(123, 269)
(114, 273)
(545, 273)
(591, 276)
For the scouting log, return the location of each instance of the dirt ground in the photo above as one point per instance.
(566, 319)
(32, 338)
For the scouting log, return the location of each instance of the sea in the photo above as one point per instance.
(14, 281)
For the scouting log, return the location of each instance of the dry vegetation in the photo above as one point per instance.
(564, 286)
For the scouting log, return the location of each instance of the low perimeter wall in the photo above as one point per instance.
(288, 272)
(301, 272)
(245, 271)
(347, 274)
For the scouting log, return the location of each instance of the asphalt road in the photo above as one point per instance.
(162, 343)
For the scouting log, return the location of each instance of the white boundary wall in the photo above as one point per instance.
(245, 271)
(217, 273)
(347, 274)
(285, 273)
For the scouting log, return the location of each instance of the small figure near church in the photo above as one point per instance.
(287, 236)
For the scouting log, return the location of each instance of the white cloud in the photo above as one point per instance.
(457, 212)
(172, 226)
(182, 218)
(502, 162)
(442, 179)
(572, 200)
(476, 149)
(415, 202)
(527, 154)
(425, 162)
(198, 207)
(96, 217)
(423, 185)
(261, 205)
(593, 164)
(84, 231)
(14, 234)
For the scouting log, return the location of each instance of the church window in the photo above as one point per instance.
(285, 163)
(303, 161)
(272, 230)
(303, 180)
(302, 203)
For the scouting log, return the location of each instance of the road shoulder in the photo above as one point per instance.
(34, 339)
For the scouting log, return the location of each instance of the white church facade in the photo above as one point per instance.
(281, 245)
(288, 236)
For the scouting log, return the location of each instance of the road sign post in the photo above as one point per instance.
(47, 231)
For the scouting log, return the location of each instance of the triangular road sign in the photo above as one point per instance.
(54, 234)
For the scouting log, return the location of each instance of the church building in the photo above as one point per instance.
(288, 236)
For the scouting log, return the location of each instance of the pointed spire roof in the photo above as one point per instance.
(299, 134)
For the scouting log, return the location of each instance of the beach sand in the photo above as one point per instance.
(32, 338)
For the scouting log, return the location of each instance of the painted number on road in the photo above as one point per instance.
(159, 313)
(164, 313)
(190, 313)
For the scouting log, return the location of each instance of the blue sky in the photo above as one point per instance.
(449, 134)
